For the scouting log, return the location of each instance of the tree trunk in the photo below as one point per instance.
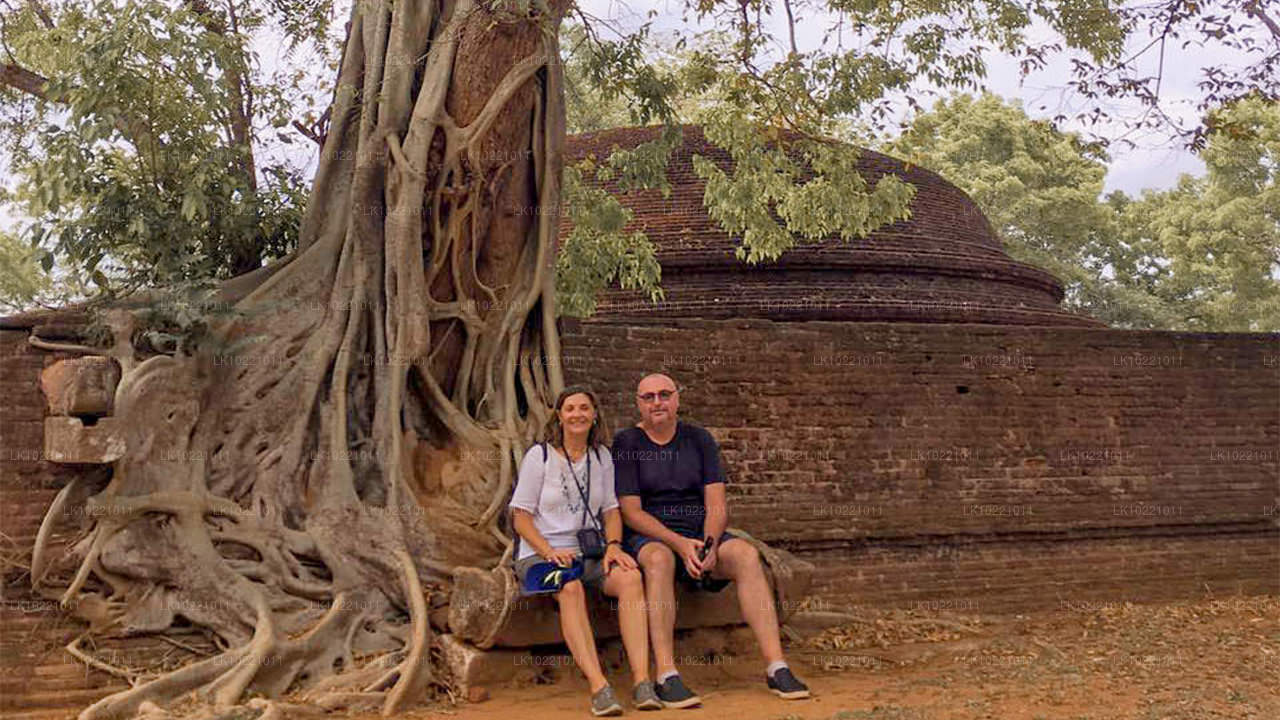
(311, 477)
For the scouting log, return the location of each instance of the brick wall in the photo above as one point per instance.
(988, 467)
(37, 677)
(973, 468)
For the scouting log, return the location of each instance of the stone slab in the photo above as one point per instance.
(536, 620)
(69, 440)
(473, 668)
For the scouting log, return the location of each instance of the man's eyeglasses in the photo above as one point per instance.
(663, 395)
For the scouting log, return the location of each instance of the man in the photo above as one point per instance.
(671, 488)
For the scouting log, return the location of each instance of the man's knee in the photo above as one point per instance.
(743, 559)
(657, 559)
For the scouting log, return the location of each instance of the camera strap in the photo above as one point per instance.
(586, 496)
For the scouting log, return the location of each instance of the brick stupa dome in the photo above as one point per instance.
(943, 265)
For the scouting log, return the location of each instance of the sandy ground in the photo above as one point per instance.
(1083, 661)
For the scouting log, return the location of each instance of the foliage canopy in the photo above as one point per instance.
(1204, 255)
(149, 140)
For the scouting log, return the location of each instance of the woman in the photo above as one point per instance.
(563, 487)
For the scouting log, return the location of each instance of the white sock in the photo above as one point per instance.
(774, 667)
(668, 674)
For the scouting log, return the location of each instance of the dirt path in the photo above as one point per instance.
(1086, 661)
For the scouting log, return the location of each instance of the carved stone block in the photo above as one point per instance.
(82, 386)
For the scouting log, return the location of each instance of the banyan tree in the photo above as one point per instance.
(305, 480)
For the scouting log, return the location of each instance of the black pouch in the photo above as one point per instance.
(590, 539)
(591, 542)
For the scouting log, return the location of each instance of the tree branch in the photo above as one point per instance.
(791, 26)
(208, 18)
(20, 78)
(42, 12)
(239, 106)
(1253, 8)
(309, 133)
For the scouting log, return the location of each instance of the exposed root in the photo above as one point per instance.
(82, 575)
(414, 671)
(130, 676)
(351, 700)
(162, 690)
(228, 688)
(12, 556)
(63, 347)
(183, 646)
(39, 560)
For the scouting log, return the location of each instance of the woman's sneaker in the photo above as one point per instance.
(786, 686)
(673, 694)
(604, 702)
(645, 697)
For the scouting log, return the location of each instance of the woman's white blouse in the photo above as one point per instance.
(546, 490)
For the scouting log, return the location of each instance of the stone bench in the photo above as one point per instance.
(487, 612)
(487, 609)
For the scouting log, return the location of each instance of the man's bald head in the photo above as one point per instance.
(658, 400)
(656, 381)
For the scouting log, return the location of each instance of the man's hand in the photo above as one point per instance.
(563, 557)
(709, 562)
(615, 555)
(687, 550)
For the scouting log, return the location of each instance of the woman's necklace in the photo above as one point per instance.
(575, 455)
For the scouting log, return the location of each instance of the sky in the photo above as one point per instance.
(1156, 161)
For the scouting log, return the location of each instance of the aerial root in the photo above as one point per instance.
(39, 562)
(415, 673)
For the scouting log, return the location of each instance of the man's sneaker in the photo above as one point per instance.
(645, 697)
(673, 694)
(604, 702)
(786, 686)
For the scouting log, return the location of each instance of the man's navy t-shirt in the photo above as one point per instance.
(668, 478)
